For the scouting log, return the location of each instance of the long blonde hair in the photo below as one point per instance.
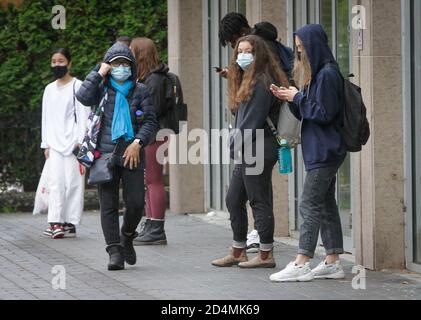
(264, 68)
(302, 69)
(146, 55)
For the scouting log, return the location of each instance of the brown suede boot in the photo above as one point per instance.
(258, 262)
(231, 259)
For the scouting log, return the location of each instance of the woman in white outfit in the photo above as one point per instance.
(63, 126)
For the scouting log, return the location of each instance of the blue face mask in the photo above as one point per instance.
(244, 60)
(121, 73)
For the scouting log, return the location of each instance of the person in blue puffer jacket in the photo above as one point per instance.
(128, 125)
(319, 105)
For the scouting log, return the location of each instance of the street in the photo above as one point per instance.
(181, 270)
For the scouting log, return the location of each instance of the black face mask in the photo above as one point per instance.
(59, 71)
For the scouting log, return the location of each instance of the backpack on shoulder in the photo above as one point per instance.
(176, 108)
(354, 127)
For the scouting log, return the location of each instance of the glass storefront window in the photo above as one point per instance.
(334, 16)
(343, 58)
(326, 16)
(218, 175)
(343, 36)
(416, 115)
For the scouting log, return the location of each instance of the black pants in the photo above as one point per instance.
(257, 189)
(134, 200)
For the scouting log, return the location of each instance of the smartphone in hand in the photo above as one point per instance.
(218, 69)
(276, 88)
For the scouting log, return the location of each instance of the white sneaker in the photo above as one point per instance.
(293, 273)
(328, 271)
(253, 242)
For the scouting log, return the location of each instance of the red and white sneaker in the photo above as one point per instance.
(58, 231)
(49, 231)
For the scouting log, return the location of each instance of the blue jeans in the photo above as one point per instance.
(320, 212)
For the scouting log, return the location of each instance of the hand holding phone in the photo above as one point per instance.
(276, 91)
(276, 88)
(218, 69)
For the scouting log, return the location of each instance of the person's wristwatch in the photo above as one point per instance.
(138, 142)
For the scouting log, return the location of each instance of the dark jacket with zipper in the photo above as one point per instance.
(320, 105)
(92, 91)
(252, 115)
(158, 84)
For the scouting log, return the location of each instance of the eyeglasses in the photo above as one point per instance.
(120, 63)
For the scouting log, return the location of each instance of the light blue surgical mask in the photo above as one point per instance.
(244, 60)
(121, 73)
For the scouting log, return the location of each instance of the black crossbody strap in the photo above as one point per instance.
(273, 129)
(74, 101)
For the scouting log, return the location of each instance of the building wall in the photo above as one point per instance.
(185, 55)
(378, 184)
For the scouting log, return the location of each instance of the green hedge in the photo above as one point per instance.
(27, 40)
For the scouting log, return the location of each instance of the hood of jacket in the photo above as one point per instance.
(266, 30)
(315, 42)
(121, 50)
(163, 68)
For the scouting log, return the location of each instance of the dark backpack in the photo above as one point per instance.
(176, 108)
(354, 127)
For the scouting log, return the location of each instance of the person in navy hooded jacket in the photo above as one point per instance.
(318, 103)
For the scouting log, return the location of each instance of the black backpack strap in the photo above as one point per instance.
(74, 101)
(340, 116)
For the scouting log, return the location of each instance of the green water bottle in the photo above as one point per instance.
(285, 158)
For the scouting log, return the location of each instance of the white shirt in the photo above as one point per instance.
(59, 130)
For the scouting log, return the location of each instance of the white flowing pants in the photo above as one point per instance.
(67, 187)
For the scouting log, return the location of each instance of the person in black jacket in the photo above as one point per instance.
(128, 125)
(235, 25)
(155, 76)
(253, 69)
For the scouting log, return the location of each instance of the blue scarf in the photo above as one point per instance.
(122, 123)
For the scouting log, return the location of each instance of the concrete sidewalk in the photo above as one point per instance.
(181, 270)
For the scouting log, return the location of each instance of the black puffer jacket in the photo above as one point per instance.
(158, 84)
(92, 91)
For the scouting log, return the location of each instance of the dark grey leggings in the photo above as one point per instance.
(257, 189)
(320, 212)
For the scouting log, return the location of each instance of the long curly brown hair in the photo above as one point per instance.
(265, 68)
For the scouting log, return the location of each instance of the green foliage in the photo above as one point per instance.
(27, 41)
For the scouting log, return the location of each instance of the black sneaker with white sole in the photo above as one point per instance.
(69, 230)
